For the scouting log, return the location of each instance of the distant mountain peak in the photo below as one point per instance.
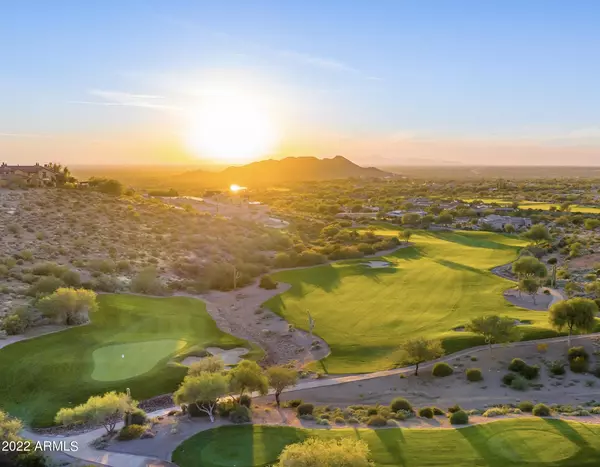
(289, 169)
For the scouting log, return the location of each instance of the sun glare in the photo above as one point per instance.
(235, 188)
(231, 127)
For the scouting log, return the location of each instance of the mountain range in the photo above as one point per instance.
(290, 169)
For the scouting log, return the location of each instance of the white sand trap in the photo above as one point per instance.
(230, 357)
(378, 264)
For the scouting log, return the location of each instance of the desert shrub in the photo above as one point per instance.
(474, 374)
(578, 352)
(526, 406)
(578, 365)
(508, 378)
(305, 409)
(399, 403)
(71, 278)
(517, 365)
(542, 347)
(494, 412)
(69, 306)
(541, 410)
(136, 417)
(147, 282)
(246, 400)
(426, 412)
(459, 418)
(45, 286)
(314, 452)
(212, 364)
(225, 407)
(455, 408)
(339, 421)
(293, 403)
(13, 324)
(130, 432)
(441, 370)
(557, 367)
(267, 282)
(530, 371)
(519, 383)
(240, 414)
(376, 420)
(437, 411)
(372, 411)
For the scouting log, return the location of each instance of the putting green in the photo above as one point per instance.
(521, 442)
(442, 282)
(123, 361)
(40, 376)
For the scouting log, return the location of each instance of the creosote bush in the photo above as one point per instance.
(305, 409)
(399, 403)
(459, 418)
(442, 369)
(376, 420)
(541, 410)
(426, 412)
(526, 406)
(474, 374)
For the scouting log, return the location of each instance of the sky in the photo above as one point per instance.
(381, 82)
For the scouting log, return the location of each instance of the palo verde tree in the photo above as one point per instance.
(575, 314)
(69, 306)
(529, 285)
(214, 364)
(314, 452)
(419, 350)
(494, 329)
(528, 266)
(104, 410)
(280, 378)
(247, 375)
(538, 233)
(406, 234)
(202, 390)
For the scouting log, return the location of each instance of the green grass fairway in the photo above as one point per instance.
(123, 361)
(506, 443)
(442, 282)
(41, 375)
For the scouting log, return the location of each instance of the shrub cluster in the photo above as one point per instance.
(459, 417)
(442, 369)
(541, 410)
(130, 432)
(305, 409)
(578, 359)
(474, 374)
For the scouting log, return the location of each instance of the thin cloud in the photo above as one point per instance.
(321, 62)
(24, 135)
(127, 99)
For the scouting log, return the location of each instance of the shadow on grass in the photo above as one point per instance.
(392, 443)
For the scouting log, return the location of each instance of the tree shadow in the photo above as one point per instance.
(391, 443)
(460, 267)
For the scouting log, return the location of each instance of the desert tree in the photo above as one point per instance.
(213, 364)
(575, 314)
(69, 306)
(406, 234)
(538, 233)
(494, 329)
(528, 266)
(418, 350)
(509, 228)
(529, 285)
(280, 378)
(202, 390)
(247, 375)
(105, 410)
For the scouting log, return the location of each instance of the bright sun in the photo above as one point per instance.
(231, 127)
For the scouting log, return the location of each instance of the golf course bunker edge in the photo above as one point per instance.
(116, 362)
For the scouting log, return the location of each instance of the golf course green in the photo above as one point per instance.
(441, 282)
(128, 344)
(505, 443)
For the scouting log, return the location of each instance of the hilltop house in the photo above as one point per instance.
(497, 222)
(31, 175)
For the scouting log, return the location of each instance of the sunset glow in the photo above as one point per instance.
(232, 127)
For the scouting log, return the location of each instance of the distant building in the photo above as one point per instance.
(499, 222)
(31, 175)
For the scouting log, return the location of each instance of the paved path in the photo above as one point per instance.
(118, 459)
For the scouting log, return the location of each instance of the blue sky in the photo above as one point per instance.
(380, 80)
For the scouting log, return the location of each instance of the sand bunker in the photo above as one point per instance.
(230, 357)
(378, 264)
